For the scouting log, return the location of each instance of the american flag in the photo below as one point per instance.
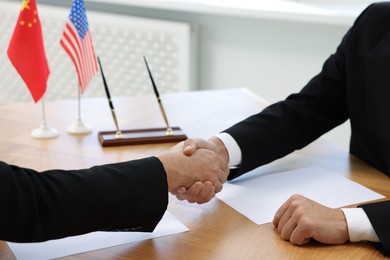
(77, 42)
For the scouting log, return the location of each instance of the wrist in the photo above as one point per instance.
(359, 225)
(221, 149)
(342, 226)
(167, 163)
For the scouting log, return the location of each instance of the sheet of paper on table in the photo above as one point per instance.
(258, 196)
(169, 225)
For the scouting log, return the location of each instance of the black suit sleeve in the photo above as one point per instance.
(129, 196)
(379, 215)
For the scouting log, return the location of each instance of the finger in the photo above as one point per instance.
(192, 193)
(218, 186)
(180, 197)
(281, 212)
(292, 211)
(300, 237)
(210, 195)
(189, 146)
(207, 193)
(287, 228)
(180, 190)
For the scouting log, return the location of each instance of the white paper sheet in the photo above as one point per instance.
(258, 197)
(96, 240)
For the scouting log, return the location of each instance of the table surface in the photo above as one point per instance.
(216, 230)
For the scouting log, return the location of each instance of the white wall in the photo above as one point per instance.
(273, 58)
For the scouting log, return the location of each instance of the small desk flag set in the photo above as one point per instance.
(31, 64)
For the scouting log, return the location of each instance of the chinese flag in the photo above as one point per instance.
(26, 50)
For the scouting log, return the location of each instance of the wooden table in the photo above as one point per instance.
(216, 230)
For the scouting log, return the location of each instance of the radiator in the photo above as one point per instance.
(120, 42)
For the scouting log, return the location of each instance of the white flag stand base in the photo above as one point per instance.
(79, 128)
(44, 132)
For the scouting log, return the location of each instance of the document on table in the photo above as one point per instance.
(169, 225)
(258, 196)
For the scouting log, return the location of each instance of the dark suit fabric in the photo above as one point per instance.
(354, 84)
(127, 196)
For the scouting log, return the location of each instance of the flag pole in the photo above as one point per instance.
(82, 55)
(79, 127)
(44, 131)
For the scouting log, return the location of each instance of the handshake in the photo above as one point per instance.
(196, 169)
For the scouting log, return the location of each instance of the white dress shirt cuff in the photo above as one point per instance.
(232, 147)
(359, 225)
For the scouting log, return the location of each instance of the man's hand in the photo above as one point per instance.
(204, 167)
(202, 192)
(299, 219)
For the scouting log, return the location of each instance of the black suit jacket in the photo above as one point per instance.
(354, 84)
(128, 196)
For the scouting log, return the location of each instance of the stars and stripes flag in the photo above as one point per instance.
(77, 42)
(26, 50)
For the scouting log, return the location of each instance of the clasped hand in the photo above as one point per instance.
(196, 170)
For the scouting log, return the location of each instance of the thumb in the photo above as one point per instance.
(189, 146)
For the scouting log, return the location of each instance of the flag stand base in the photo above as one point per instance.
(44, 132)
(79, 128)
(141, 136)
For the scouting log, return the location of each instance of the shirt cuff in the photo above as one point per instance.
(232, 147)
(359, 225)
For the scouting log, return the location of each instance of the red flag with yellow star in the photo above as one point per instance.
(26, 50)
